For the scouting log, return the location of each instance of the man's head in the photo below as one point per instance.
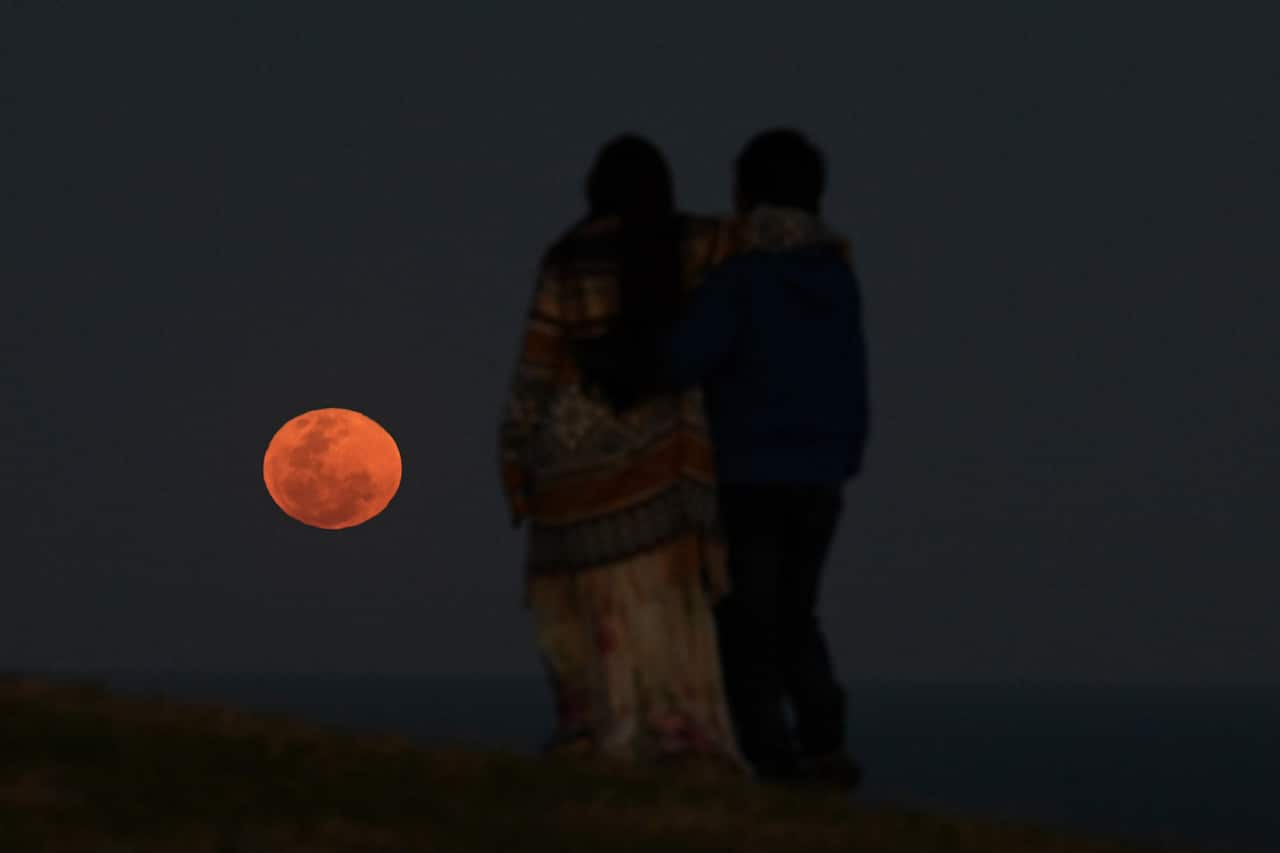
(780, 168)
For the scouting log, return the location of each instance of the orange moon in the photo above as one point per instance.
(332, 468)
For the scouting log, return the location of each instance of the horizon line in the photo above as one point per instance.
(849, 679)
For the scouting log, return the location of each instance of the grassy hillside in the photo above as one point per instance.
(87, 771)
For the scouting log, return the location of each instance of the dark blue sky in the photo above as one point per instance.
(1065, 222)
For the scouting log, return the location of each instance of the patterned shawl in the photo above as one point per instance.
(596, 487)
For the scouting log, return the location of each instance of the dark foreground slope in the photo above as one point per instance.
(84, 770)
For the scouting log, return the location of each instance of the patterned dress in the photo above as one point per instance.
(624, 560)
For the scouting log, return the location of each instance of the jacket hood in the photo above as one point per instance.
(776, 229)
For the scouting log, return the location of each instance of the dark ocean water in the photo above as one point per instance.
(1194, 765)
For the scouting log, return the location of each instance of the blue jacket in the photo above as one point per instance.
(775, 338)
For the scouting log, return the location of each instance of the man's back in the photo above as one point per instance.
(776, 339)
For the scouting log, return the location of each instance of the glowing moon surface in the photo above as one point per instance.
(332, 468)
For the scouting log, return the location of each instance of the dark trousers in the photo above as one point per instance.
(771, 645)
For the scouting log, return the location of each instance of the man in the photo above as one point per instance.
(774, 336)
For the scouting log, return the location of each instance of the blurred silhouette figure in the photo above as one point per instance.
(774, 336)
(624, 559)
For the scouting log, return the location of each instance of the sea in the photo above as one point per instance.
(1192, 766)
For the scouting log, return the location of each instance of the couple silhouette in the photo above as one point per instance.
(688, 403)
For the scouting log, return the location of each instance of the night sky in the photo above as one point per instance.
(1065, 224)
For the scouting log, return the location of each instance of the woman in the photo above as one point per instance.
(623, 561)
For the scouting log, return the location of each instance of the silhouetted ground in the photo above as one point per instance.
(84, 770)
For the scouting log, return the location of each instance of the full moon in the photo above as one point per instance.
(332, 468)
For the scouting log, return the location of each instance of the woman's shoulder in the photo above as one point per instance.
(584, 241)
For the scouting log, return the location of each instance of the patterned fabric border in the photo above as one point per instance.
(685, 506)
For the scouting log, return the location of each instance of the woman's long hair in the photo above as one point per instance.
(631, 180)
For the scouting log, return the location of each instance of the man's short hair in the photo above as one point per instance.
(781, 168)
